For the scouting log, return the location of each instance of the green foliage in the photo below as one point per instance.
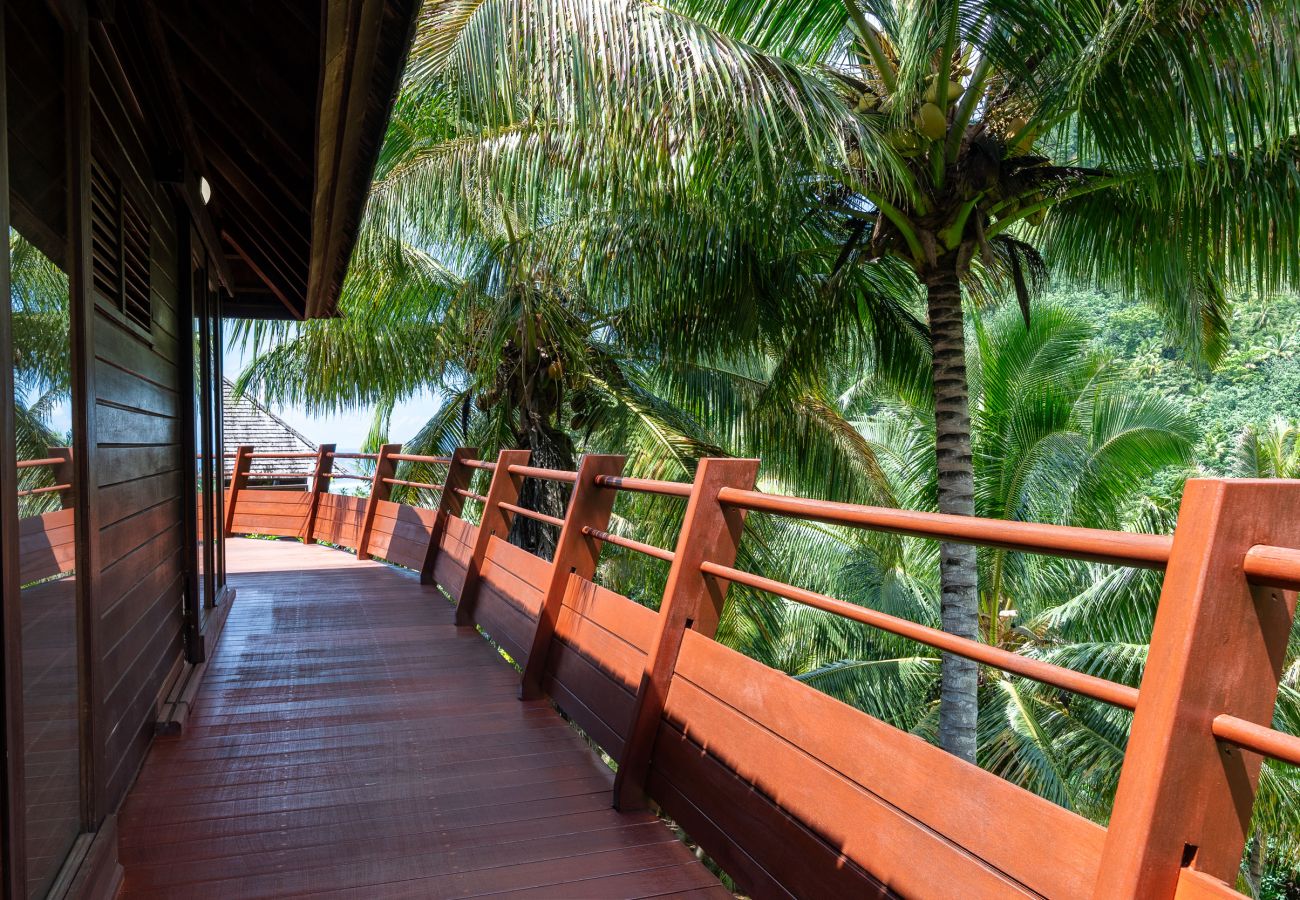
(1256, 382)
(717, 218)
(42, 371)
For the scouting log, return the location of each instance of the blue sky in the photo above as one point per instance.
(346, 429)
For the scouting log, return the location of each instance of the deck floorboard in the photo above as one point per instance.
(349, 741)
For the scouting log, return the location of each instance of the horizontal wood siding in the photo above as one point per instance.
(140, 390)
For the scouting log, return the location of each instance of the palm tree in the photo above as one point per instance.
(548, 373)
(719, 159)
(1047, 411)
(491, 306)
(1272, 451)
(42, 377)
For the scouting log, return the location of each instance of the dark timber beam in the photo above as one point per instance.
(294, 311)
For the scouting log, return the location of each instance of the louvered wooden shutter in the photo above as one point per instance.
(136, 302)
(119, 248)
(105, 235)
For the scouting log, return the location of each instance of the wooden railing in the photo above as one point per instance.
(794, 792)
(47, 540)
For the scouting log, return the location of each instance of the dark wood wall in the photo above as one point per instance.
(139, 388)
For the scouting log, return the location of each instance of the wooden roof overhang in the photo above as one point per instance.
(281, 105)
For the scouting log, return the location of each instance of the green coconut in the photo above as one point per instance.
(931, 121)
(955, 89)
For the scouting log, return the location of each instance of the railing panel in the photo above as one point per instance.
(455, 549)
(629, 623)
(401, 533)
(519, 564)
(460, 530)
(596, 659)
(46, 545)
(755, 841)
(508, 604)
(282, 513)
(767, 726)
(339, 519)
(388, 513)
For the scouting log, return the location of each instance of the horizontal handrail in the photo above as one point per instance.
(281, 474)
(629, 544)
(644, 485)
(544, 474)
(480, 464)
(1259, 738)
(45, 490)
(1273, 567)
(532, 514)
(311, 455)
(413, 484)
(47, 461)
(418, 458)
(345, 475)
(1048, 673)
(336, 455)
(1150, 551)
(470, 495)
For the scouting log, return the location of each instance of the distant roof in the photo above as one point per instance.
(245, 421)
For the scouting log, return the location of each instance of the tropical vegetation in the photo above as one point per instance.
(822, 233)
(42, 376)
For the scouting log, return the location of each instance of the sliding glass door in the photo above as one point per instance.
(208, 583)
(41, 633)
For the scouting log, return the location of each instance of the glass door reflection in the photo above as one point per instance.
(46, 513)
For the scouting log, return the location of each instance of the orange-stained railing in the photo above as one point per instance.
(46, 539)
(794, 792)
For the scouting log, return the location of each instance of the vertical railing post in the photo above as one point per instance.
(575, 554)
(238, 480)
(385, 467)
(1217, 647)
(449, 504)
(504, 488)
(64, 474)
(710, 531)
(320, 484)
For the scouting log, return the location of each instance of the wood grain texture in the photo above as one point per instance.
(596, 659)
(590, 506)
(385, 468)
(1217, 647)
(691, 600)
(349, 741)
(837, 771)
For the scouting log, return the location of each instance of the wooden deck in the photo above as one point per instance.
(350, 741)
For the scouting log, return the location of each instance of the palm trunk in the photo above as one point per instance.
(958, 573)
(552, 449)
(1255, 863)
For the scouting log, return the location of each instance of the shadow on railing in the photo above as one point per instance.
(792, 791)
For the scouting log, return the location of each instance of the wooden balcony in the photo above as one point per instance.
(349, 740)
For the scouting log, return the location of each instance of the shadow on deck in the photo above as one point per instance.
(349, 741)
